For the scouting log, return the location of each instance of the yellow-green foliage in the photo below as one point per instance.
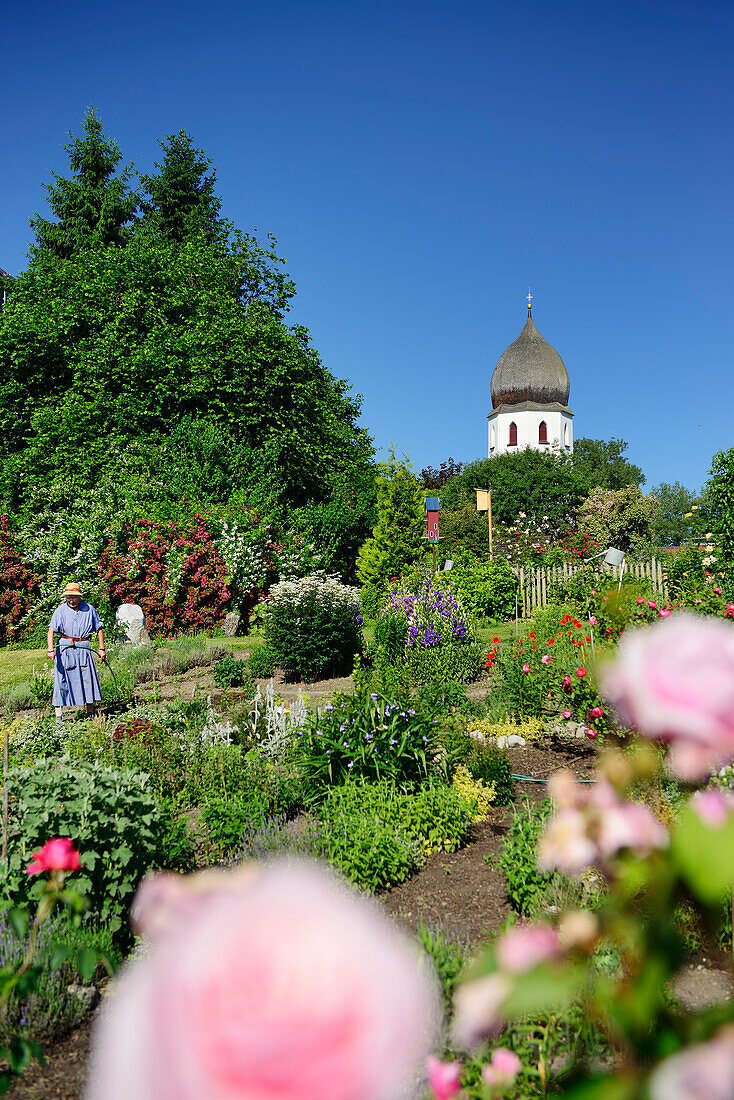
(475, 792)
(529, 728)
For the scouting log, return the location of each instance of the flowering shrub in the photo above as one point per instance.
(19, 586)
(487, 588)
(368, 736)
(175, 573)
(674, 682)
(314, 627)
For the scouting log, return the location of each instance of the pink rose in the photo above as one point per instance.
(443, 1077)
(502, 1069)
(580, 672)
(565, 845)
(630, 825)
(651, 603)
(545, 659)
(58, 854)
(701, 1070)
(596, 712)
(566, 681)
(478, 1008)
(280, 984)
(565, 714)
(593, 620)
(717, 591)
(713, 807)
(590, 732)
(526, 946)
(665, 612)
(526, 669)
(640, 600)
(675, 681)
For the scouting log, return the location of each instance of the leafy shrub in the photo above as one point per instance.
(447, 959)
(314, 627)
(442, 696)
(58, 1002)
(488, 588)
(390, 634)
(42, 684)
(528, 727)
(371, 853)
(526, 885)
(229, 672)
(458, 662)
(110, 815)
(370, 600)
(262, 662)
(477, 794)
(364, 736)
(227, 820)
(492, 766)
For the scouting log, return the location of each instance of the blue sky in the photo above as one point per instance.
(421, 164)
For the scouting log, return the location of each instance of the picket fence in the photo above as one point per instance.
(535, 583)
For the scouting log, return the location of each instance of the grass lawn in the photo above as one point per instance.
(16, 665)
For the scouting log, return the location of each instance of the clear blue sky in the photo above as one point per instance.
(421, 164)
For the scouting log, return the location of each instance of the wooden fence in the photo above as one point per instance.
(536, 583)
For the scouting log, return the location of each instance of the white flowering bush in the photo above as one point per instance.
(314, 627)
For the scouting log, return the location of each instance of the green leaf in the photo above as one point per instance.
(545, 988)
(59, 954)
(86, 962)
(705, 856)
(603, 1088)
(19, 920)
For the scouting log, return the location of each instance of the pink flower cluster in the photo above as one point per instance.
(675, 682)
(278, 982)
(704, 1069)
(592, 824)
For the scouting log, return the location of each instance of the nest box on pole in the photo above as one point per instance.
(432, 509)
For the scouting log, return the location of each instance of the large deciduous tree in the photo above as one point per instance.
(720, 497)
(601, 464)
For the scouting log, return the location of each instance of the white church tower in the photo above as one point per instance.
(529, 390)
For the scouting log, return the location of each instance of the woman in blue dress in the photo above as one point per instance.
(76, 681)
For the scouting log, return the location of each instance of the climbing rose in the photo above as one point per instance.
(56, 855)
(443, 1077)
(280, 984)
(596, 712)
(526, 669)
(675, 682)
(565, 714)
(502, 1068)
(580, 672)
(545, 659)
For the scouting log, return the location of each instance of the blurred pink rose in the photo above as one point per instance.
(630, 825)
(713, 807)
(478, 1008)
(284, 985)
(565, 714)
(545, 659)
(58, 854)
(640, 600)
(651, 603)
(596, 712)
(526, 946)
(593, 620)
(665, 612)
(443, 1077)
(717, 591)
(590, 733)
(675, 681)
(565, 845)
(526, 669)
(704, 1071)
(502, 1069)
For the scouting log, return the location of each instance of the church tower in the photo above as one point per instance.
(529, 390)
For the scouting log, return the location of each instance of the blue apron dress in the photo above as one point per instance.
(75, 674)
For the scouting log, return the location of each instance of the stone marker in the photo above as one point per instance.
(133, 619)
(231, 623)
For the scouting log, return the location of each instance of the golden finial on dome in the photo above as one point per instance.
(530, 301)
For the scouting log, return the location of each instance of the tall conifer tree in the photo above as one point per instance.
(179, 201)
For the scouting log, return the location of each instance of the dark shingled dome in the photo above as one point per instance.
(530, 370)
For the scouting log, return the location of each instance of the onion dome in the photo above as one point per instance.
(530, 370)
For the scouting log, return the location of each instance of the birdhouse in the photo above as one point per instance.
(432, 510)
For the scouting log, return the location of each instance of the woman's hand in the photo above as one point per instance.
(50, 654)
(102, 653)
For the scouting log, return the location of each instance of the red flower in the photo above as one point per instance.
(551, 641)
(580, 672)
(58, 854)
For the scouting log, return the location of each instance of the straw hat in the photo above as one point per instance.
(72, 589)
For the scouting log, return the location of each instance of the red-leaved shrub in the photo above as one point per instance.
(175, 573)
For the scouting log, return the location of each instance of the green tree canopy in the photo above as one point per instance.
(179, 200)
(720, 498)
(145, 339)
(680, 513)
(542, 484)
(94, 208)
(601, 464)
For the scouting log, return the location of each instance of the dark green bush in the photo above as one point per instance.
(229, 672)
(314, 627)
(526, 885)
(227, 820)
(458, 661)
(390, 634)
(110, 815)
(371, 853)
(487, 588)
(262, 662)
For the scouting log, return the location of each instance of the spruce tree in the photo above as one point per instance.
(179, 201)
(93, 208)
(398, 537)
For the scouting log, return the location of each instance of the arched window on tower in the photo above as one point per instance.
(543, 432)
(565, 433)
(513, 434)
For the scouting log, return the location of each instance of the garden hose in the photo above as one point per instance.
(112, 674)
